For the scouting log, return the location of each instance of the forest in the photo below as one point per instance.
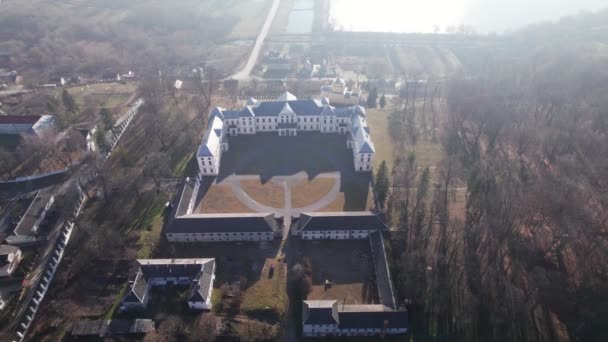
(89, 38)
(525, 136)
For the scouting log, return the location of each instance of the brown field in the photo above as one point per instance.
(220, 199)
(310, 191)
(356, 202)
(337, 205)
(347, 265)
(269, 193)
(378, 123)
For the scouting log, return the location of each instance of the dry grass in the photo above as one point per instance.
(269, 194)
(341, 204)
(252, 15)
(337, 205)
(343, 293)
(347, 265)
(378, 123)
(310, 191)
(220, 199)
(457, 205)
(267, 293)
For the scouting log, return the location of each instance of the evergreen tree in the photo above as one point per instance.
(382, 101)
(68, 102)
(382, 184)
(107, 119)
(101, 141)
(372, 98)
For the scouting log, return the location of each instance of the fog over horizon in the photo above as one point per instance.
(484, 15)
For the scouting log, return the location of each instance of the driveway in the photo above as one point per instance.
(257, 47)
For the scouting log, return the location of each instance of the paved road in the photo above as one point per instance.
(244, 74)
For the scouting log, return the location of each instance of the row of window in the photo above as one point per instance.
(286, 119)
(218, 234)
(240, 238)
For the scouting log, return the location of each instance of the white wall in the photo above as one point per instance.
(334, 234)
(217, 237)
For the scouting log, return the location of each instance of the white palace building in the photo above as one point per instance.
(287, 116)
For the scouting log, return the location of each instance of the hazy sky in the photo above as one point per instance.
(422, 15)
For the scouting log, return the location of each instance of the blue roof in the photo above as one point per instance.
(203, 151)
(328, 110)
(366, 148)
(217, 111)
(306, 107)
(300, 107)
(232, 114)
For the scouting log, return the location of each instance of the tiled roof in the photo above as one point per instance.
(360, 135)
(299, 107)
(372, 319)
(287, 96)
(18, 119)
(211, 143)
(358, 220)
(201, 288)
(137, 289)
(223, 223)
(320, 312)
(286, 110)
(7, 249)
(366, 148)
(328, 110)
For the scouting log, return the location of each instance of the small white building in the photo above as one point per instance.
(338, 93)
(196, 274)
(286, 116)
(338, 225)
(10, 256)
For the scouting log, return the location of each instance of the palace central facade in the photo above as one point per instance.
(286, 116)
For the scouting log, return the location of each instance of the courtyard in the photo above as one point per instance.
(341, 270)
(286, 175)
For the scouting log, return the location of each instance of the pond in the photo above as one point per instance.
(301, 17)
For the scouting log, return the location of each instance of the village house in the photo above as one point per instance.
(338, 225)
(10, 256)
(195, 274)
(10, 77)
(339, 93)
(20, 124)
(286, 116)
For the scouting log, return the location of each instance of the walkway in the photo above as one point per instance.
(244, 74)
(288, 182)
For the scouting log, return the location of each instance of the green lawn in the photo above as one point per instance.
(148, 213)
(377, 121)
(267, 295)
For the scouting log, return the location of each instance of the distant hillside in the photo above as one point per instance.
(94, 36)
